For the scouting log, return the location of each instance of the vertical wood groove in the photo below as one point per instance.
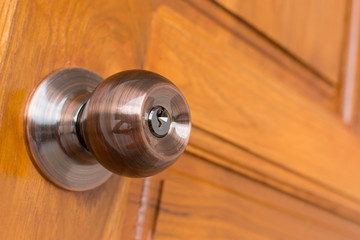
(348, 95)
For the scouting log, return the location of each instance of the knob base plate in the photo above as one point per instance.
(50, 130)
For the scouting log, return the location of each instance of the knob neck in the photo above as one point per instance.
(78, 126)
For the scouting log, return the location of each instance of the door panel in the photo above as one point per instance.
(268, 157)
(313, 30)
(237, 96)
(200, 200)
(215, 149)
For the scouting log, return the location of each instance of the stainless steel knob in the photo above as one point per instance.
(135, 123)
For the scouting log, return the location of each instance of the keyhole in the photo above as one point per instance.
(159, 121)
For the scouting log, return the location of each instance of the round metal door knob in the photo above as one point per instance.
(80, 129)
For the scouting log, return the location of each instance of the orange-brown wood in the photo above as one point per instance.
(229, 31)
(234, 94)
(7, 11)
(38, 37)
(307, 82)
(203, 201)
(142, 209)
(268, 157)
(213, 148)
(312, 30)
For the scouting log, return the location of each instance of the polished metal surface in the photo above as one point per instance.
(135, 123)
(115, 123)
(50, 130)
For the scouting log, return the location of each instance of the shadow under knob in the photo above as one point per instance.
(80, 128)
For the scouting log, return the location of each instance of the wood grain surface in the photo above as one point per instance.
(236, 95)
(142, 209)
(38, 37)
(268, 157)
(306, 81)
(216, 150)
(312, 30)
(203, 201)
(7, 11)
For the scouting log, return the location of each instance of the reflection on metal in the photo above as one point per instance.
(50, 130)
(135, 123)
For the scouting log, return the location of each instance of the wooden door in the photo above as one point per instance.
(269, 84)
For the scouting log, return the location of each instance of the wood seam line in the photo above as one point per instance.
(349, 214)
(282, 49)
(157, 208)
(322, 185)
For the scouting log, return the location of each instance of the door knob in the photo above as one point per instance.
(80, 129)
